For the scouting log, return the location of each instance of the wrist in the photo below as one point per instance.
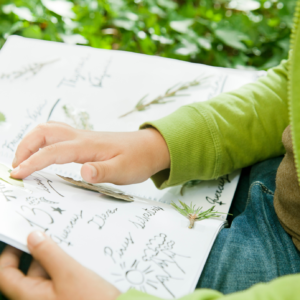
(159, 155)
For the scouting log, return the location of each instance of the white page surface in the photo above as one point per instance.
(39, 79)
(141, 244)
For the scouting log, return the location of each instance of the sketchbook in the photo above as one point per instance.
(140, 243)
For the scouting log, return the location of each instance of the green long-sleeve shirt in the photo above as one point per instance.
(232, 131)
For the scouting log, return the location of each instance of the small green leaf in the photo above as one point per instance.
(2, 117)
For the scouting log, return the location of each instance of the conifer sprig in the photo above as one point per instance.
(165, 98)
(194, 213)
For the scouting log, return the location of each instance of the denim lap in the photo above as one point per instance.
(255, 248)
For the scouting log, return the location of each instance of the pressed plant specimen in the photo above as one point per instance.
(194, 213)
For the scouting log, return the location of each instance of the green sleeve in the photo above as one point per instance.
(284, 288)
(233, 130)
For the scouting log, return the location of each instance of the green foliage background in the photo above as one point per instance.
(214, 32)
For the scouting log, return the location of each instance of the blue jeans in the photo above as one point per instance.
(255, 248)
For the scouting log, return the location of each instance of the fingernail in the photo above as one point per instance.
(14, 161)
(35, 238)
(15, 171)
(93, 170)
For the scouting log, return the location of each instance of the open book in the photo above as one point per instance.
(143, 244)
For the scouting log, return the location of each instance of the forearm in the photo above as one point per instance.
(237, 129)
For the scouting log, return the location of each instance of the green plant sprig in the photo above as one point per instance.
(194, 213)
(190, 183)
(170, 93)
(2, 117)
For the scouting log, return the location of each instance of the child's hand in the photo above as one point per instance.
(67, 280)
(120, 158)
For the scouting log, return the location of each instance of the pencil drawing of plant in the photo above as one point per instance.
(29, 70)
(166, 97)
(79, 118)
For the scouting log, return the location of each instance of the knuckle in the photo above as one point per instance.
(102, 172)
(42, 127)
(50, 149)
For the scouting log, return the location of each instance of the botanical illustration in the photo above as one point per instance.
(168, 96)
(27, 71)
(80, 118)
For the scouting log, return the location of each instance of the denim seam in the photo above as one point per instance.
(263, 187)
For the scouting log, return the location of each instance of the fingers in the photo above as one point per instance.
(106, 171)
(10, 257)
(41, 136)
(9, 273)
(58, 264)
(59, 153)
(36, 270)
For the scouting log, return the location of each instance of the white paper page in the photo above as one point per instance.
(39, 80)
(141, 244)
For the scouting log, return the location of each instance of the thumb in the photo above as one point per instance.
(57, 263)
(111, 170)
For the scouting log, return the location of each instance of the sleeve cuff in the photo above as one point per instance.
(202, 294)
(136, 295)
(193, 144)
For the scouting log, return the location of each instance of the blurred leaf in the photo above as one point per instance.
(187, 48)
(33, 32)
(231, 38)
(167, 4)
(126, 24)
(74, 39)
(204, 43)
(22, 12)
(243, 5)
(227, 33)
(181, 26)
(62, 8)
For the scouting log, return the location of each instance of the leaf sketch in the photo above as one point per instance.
(166, 97)
(79, 118)
(31, 70)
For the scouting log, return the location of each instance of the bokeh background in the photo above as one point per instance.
(251, 34)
